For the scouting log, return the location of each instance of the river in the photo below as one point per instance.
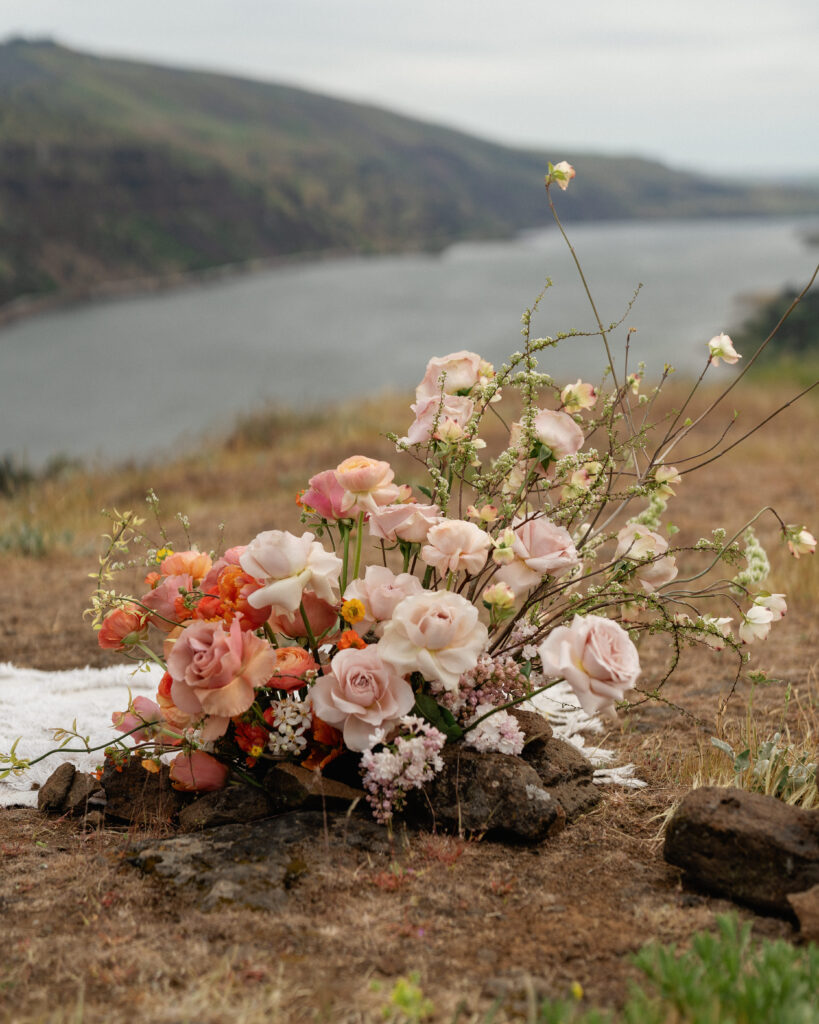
(134, 377)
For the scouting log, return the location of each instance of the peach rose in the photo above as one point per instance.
(367, 483)
(322, 616)
(596, 657)
(436, 633)
(287, 565)
(192, 563)
(216, 671)
(539, 548)
(292, 665)
(197, 772)
(409, 522)
(361, 694)
(122, 628)
(455, 544)
(380, 591)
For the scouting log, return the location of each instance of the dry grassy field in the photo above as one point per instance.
(88, 939)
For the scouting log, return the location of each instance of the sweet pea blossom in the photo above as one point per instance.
(408, 522)
(439, 415)
(380, 591)
(576, 397)
(436, 633)
(596, 656)
(454, 545)
(774, 602)
(362, 694)
(540, 548)
(721, 347)
(286, 566)
(367, 483)
(636, 543)
(215, 671)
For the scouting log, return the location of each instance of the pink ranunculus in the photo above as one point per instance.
(380, 591)
(596, 657)
(455, 408)
(540, 548)
(367, 483)
(322, 615)
(216, 671)
(197, 772)
(325, 495)
(456, 544)
(194, 563)
(463, 371)
(409, 522)
(122, 628)
(637, 543)
(436, 633)
(162, 600)
(141, 711)
(286, 566)
(361, 694)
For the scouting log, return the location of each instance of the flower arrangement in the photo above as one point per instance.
(409, 615)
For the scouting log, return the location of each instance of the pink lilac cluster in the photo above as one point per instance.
(289, 719)
(499, 733)
(494, 681)
(407, 762)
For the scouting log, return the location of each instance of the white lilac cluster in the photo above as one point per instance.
(407, 762)
(499, 733)
(289, 720)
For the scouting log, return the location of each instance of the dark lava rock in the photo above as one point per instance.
(51, 795)
(233, 805)
(254, 864)
(751, 848)
(86, 794)
(291, 787)
(806, 907)
(487, 793)
(139, 796)
(564, 772)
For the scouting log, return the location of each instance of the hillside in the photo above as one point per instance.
(112, 169)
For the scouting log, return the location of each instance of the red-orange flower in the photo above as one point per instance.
(252, 739)
(349, 638)
(122, 628)
(292, 665)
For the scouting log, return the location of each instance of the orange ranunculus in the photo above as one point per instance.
(122, 628)
(234, 586)
(326, 743)
(292, 665)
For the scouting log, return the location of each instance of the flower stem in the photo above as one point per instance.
(359, 536)
(511, 704)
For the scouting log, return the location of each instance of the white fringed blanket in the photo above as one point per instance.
(33, 704)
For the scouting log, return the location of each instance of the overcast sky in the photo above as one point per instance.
(729, 86)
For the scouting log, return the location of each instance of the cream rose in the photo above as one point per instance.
(556, 430)
(540, 548)
(286, 565)
(360, 695)
(463, 371)
(409, 522)
(596, 657)
(381, 591)
(455, 544)
(367, 483)
(436, 633)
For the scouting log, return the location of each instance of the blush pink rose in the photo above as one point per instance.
(540, 548)
(163, 600)
(360, 694)
(557, 430)
(597, 659)
(380, 591)
(409, 522)
(367, 483)
(322, 616)
(454, 545)
(636, 543)
(197, 772)
(286, 566)
(436, 633)
(463, 371)
(216, 671)
(451, 410)
(325, 495)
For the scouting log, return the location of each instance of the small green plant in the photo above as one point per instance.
(407, 1003)
(774, 767)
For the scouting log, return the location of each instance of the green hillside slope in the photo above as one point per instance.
(112, 169)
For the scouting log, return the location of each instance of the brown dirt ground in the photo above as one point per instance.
(86, 938)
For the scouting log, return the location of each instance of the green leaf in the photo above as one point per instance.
(722, 745)
(425, 490)
(440, 717)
